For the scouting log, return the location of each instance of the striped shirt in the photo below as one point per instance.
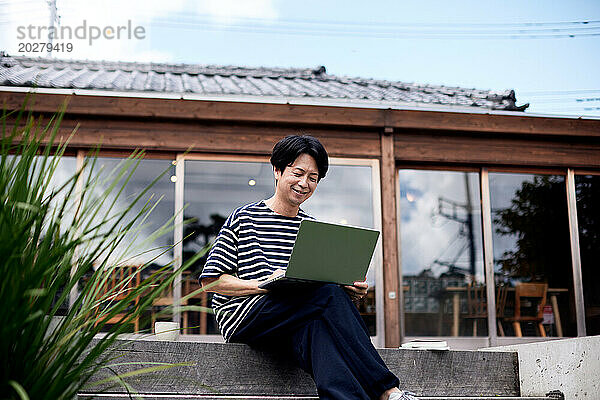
(253, 243)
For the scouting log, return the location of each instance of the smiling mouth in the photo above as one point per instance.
(299, 192)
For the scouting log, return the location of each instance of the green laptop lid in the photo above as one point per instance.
(331, 252)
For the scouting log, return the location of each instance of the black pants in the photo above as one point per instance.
(325, 333)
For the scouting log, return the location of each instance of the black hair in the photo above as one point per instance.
(290, 147)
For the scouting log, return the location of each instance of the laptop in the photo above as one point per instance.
(326, 252)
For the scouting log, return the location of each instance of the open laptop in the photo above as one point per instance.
(326, 252)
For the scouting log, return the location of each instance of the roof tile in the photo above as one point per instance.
(237, 80)
(209, 84)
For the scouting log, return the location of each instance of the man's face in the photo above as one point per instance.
(298, 181)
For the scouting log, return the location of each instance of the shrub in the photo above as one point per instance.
(50, 238)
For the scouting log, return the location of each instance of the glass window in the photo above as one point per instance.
(442, 259)
(140, 246)
(531, 245)
(587, 188)
(213, 189)
(65, 169)
(345, 196)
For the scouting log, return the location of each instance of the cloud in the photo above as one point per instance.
(14, 15)
(425, 235)
(115, 13)
(108, 13)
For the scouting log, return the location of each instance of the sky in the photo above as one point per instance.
(547, 51)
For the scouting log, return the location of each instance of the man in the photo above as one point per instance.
(319, 325)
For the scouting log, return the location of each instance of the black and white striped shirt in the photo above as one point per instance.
(253, 243)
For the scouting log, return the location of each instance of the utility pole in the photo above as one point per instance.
(469, 223)
(51, 27)
(452, 211)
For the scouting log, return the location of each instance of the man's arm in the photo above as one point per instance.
(230, 285)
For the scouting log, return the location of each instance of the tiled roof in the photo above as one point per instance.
(232, 81)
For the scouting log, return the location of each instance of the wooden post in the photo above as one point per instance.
(178, 235)
(391, 281)
(488, 257)
(575, 258)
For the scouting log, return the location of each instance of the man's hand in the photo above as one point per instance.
(357, 291)
(277, 272)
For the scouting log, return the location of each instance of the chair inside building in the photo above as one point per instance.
(118, 286)
(530, 299)
(165, 301)
(477, 305)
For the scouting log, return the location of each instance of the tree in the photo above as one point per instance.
(538, 218)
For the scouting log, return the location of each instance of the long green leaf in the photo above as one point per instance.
(51, 238)
(19, 389)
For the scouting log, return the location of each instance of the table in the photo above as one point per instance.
(455, 291)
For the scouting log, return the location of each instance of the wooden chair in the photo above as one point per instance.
(477, 305)
(166, 300)
(501, 292)
(530, 299)
(192, 286)
(117, 287)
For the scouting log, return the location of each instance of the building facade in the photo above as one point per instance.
(473, 196)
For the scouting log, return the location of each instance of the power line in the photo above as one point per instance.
(262, 25)
(551, 33)
(378, 24)
(531, 27)
(460, 30)
(558, 108)
(564, 98)
(558, 101)
(397, 24)
(559, 92)
(511, 30)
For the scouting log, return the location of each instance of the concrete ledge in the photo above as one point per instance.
(569, 365)
(220, 369)
(213, 397)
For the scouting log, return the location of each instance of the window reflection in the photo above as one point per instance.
(141, 245)
(345, 197)
(65, 169)
(531, 245)
(587, 188)
(213, 189)
(142, 249)
(442, 259)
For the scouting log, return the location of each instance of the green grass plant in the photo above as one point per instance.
(51, 238)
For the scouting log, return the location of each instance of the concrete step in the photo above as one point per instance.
(113, 396)
(227, 369)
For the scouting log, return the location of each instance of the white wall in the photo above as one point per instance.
(569, 365)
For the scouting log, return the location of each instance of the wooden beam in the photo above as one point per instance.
(391, 279)
(425, 147)
(230, 138)
(311, 115)
(199, 109)
(506, 123)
